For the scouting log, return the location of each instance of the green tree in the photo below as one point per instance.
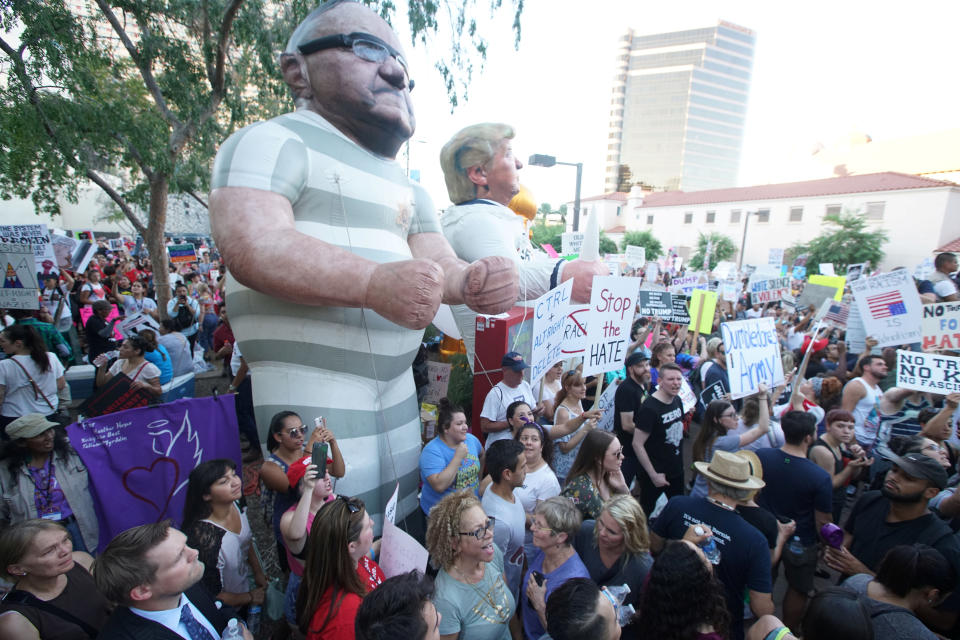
(137, 96)
(846, 240)
(547, 234)
(606, 244)
(721, 248)
(645, 239)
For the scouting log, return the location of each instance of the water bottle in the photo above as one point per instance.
(253, 618)
(626, 615)
(233, 630)
(619, 592)
(795, 546)
(709, 547)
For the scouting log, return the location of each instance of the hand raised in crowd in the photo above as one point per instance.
(491, 285)
(407, 292)
(952, 400)
(310, 478)
(843, 561)
(592, 416)
(871, 342)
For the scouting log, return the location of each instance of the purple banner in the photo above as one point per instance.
(139, 460)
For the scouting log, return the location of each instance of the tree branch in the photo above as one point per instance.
(114, 195)
(137, 157)
(142, 64)
(193, 194)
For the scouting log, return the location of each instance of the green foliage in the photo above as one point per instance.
(722, 248)
(846, 240)
(460, 387)
(547, 234)
(645, 239)
(606, 244)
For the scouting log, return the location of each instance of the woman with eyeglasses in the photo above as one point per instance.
(216, 525)
(615, 547)
(556, 523)
(718, 433)
(541, 482)
(473, 599)
(570, 422)
(285, 446)
(452, 460)
(596, 475)
(338, 573)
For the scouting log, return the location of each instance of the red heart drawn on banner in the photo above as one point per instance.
(144, 477)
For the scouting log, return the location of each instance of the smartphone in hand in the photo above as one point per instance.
(319, 455)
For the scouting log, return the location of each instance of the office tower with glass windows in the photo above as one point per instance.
(679, 107)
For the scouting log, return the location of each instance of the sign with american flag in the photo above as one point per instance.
(890, 307)
(837, 313)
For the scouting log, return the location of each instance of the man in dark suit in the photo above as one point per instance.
(153, 576)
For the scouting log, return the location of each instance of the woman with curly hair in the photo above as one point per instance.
(682, 601)
(473, 599)
(338, 572)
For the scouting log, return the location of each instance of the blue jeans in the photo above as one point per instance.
(290, 601)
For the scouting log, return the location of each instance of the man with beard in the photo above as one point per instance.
(626, 406)
(895, 515)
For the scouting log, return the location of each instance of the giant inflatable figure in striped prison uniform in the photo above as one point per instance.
(336, 259)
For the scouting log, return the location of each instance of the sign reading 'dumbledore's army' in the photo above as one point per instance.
(753, 355)
(928, 372)
(941, 326)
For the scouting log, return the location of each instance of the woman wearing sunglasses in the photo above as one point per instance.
(596, 475)
(338, 573)
(556, 523)
(473, 599)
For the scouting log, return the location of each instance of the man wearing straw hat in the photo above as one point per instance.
(744, 562)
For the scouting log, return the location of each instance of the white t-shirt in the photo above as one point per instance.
(46, 299)
(131, 305)
(537, 487)
(495, 406)
(148, 372)
(507, 534)
(21, 398)
(97, 292)
(754, 313)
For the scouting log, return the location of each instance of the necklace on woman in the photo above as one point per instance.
(722, 505)
(499, 607)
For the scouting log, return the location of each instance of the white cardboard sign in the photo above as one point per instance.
(753, 355)
(890, 307)
(549, 316)
(928, 372)
(612, 303)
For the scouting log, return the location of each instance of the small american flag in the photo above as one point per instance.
(885, 305)
(837, 313)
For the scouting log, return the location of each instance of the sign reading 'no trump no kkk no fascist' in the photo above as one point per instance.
(928, 372)
(753, 355)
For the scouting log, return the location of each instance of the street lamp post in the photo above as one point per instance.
(743, 243)
(541, 160)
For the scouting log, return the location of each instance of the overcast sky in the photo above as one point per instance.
(822, 71)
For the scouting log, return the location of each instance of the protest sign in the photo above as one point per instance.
(753, 355)
(928, 372)
(615, 263)
(730, 290)
(799, 273)
(775, 257)
(20, 289)
(182, 253)
(764, 290)
(687, 397)
(854, 271)
(136, 322)
(399, 551)
(114, 244)
(438, 380)
(890, 307)
(551, 252)
(652, 272)
(826, 268)
(605, 404)
(612, 301)
(681, 312)
(87, 311)
(549, 315)
(37, 237)
(575, 330)
(139, 460)
(686, 283)
(570, 242)
(656, 304)
(856, 335)
(837, 282)
(789, 303)
(676, 264)
(635, 256)
(715, 391)
(941, 326)
(703, 304)
(72, 254)
(725, 271)
(813, 295)
(117, 394)
(837, 314)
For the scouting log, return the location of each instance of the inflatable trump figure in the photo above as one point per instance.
(337, 260)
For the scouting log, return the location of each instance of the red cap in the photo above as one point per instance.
(818, 345)
(298, 469)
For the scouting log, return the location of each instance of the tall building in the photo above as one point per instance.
(679, 107)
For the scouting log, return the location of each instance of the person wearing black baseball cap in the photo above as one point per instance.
(626, 403)
(898, 514)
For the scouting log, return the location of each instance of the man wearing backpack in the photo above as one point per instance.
(185, 313)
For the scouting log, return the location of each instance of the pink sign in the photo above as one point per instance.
(87, 311)
(550, 250)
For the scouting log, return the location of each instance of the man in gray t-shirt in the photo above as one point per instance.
(507, 466)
